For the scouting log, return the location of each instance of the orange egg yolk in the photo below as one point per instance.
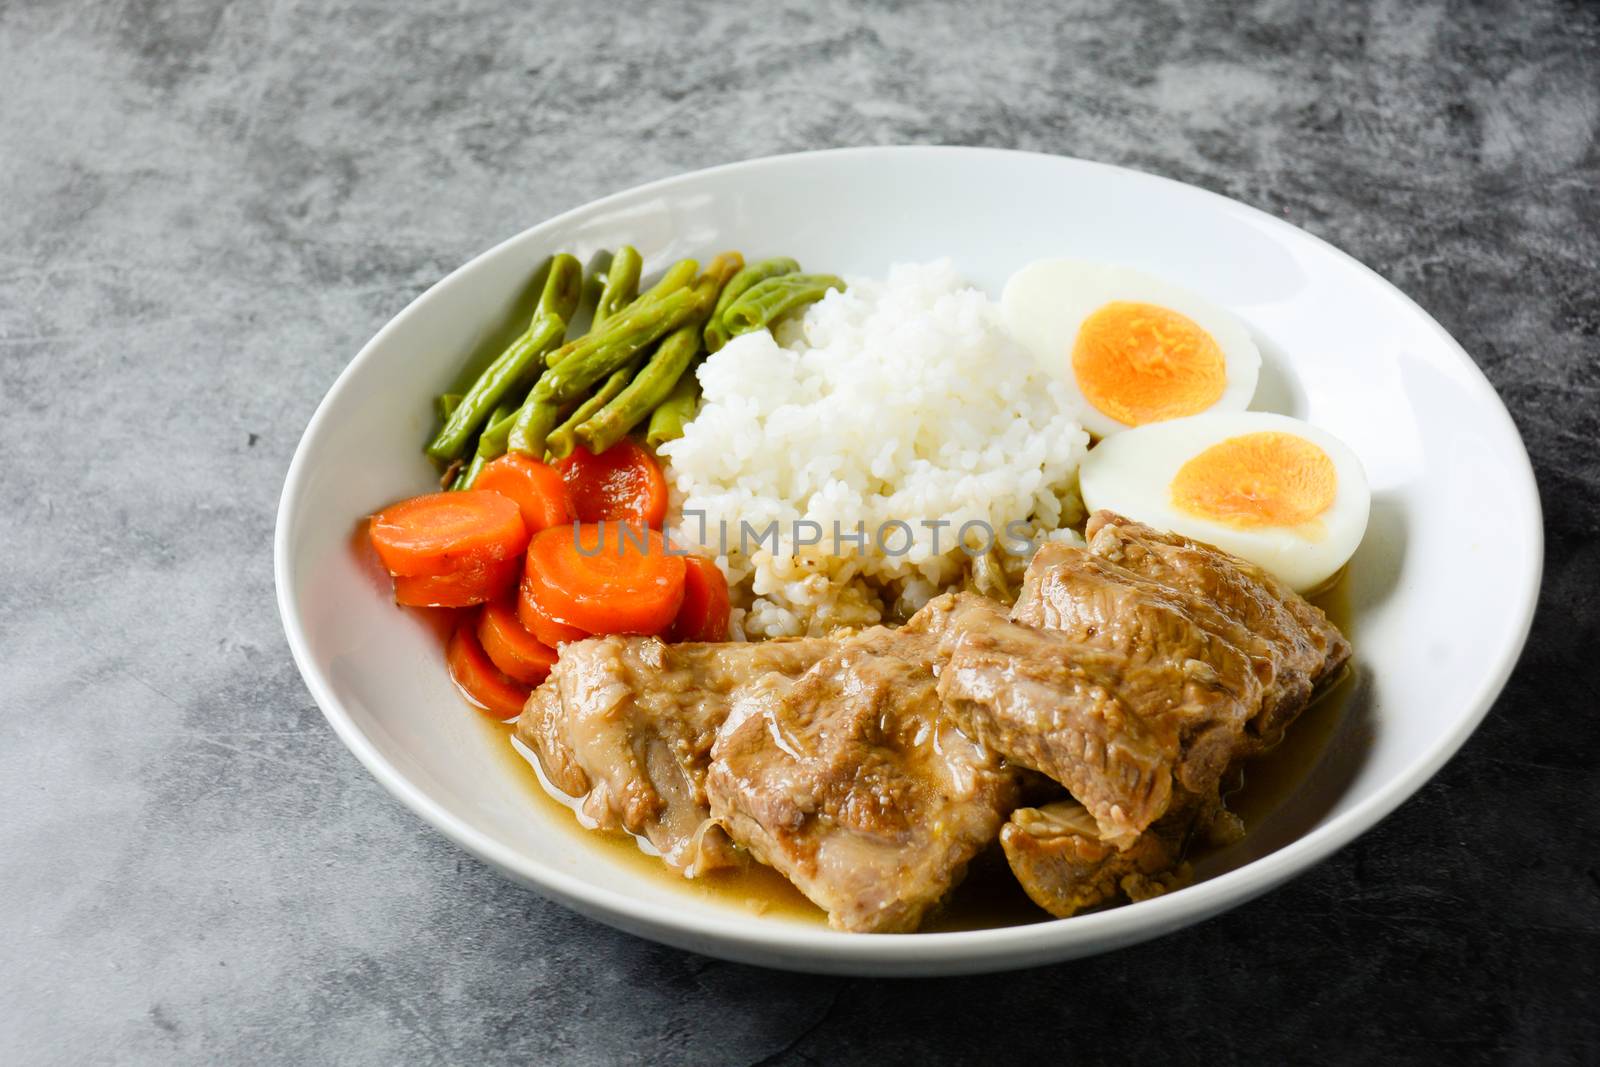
(1142, 363)
(1257, 479)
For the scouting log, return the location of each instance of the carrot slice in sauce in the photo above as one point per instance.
(475, 581)
(537, 489)
(624, 483)
(609, 577)
(441, 533)
(704, 613)
(484, 685)
(539, 622)
(510, 646)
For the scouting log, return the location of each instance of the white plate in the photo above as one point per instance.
(1442, 589)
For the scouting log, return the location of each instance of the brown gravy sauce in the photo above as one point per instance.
(989, 896)
(754, 889)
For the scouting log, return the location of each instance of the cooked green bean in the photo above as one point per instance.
(766, 302)
(672, 414)
(655, 381)
(560, 443)
(621, 287)
(678, 276)
(445, 404)
(649, 388)
(520, 359)
(468, 473)
(722, 269)
(594, 283)
(596, 355)
(492, 441)
(573, 370)
(494, 436)
(622, 284)
(518, 363)
(716, 332)
(531, 430)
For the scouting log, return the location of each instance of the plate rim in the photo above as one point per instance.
(822, 949)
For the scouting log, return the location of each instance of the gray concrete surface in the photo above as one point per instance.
(206, 207)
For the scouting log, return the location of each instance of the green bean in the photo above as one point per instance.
(766, 302)
(492, 441)
(594, 282)
(491, 444)
(573, 370)
(716, 333)
(467, 474)
(445, 404)
(678, 276)
(560, 443)
(523, 356)
(622, 284)
(519, 363)
(672, 414)
(648, 388)
(655, 382)
(530, 433)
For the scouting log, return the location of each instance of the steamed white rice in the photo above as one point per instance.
(902, 399)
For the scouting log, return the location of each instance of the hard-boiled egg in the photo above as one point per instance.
(1276, 491)
(1132, 348)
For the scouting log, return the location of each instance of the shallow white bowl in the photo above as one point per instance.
(1442, 590)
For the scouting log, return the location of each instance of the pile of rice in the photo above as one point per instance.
(902, 399)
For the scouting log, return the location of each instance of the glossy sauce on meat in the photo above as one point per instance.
(990, 895)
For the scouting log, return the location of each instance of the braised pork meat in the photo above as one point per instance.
(1056, 852)
(1064, 866)
(627, 724)
(853, 782)
(1130, 687)
(1293, 648)
(1110, 730)
(871, 768)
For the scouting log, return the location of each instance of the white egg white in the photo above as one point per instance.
(1132, 472)
(1044, 305)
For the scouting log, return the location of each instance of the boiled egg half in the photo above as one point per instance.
(1131, 348)
(1270, 489)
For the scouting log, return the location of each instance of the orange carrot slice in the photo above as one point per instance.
(537, 489)
(442, 532)
(624, 483)
(606, 577)
(704, 613)
(484, 685)
(546, 627)
(475, 581)
(511, 647)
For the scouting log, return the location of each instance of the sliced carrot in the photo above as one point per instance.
(475, 581)
(483, 684)
(511, 647)
(537, 489)
(439, 533)
(538, 621)
(624, 484)
(607, 578)
(704, 613)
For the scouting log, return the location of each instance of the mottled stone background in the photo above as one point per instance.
(206, 207)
